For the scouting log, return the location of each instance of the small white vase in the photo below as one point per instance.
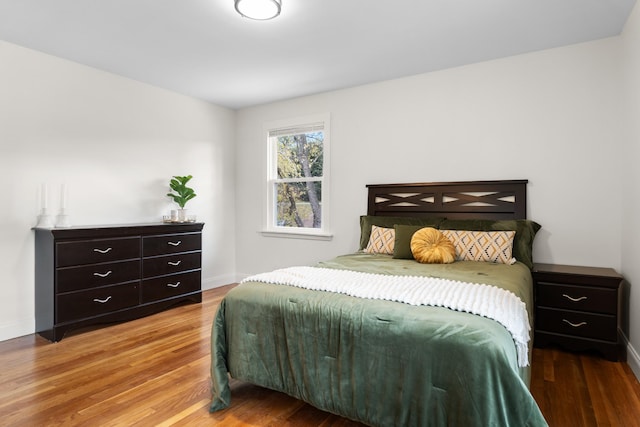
(182, 215)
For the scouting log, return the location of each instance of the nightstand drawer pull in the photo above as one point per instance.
(575, 325)
(102, 301)
(175, 243)
(103, 274)
(173, 285)
(103, 251)
(574, 299)
(174, 263)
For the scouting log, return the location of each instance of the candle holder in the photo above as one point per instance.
(44, 219)
(62, 220)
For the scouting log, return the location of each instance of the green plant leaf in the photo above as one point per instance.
(182, 193)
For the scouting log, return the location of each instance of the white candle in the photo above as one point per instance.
(63, 196)
(43, 196)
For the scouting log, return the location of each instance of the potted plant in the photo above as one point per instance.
(181, 194)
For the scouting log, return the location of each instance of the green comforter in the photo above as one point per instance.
(379, 362)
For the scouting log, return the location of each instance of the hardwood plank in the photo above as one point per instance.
(155, 371)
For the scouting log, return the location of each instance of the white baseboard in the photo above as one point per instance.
(633, 360)
(217, 281)
(241, 277)
(17, 329)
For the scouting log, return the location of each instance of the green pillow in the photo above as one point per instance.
(522, 243)
(366, 221)
(404, 233)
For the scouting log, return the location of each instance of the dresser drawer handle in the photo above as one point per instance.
(175, 243)
(176, 263)
(173, 285)
(103, 274)
(103, 251)
(102, 301)
(573, 299)
(575, 325)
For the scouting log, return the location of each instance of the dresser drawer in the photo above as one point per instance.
(170, 264)
(580, 324)
(574, 297)
(96, 251)
(83, 304)
(96, 275)
(170, 286)
(171, 243)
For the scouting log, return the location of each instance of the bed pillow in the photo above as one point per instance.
(381, 241)
(486, 246)
(367, 221)
(431, 246)
(402, 245)
(522, 244)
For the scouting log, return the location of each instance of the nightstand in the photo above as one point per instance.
(579, 308)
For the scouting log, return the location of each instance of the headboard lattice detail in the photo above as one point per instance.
(465, 199)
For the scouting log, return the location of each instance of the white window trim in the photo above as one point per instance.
(268, 212)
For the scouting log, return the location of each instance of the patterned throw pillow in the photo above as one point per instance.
(381, 241)
(430, 246)
(488, 246)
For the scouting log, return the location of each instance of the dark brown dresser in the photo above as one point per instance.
(92, 275)
(579, 308)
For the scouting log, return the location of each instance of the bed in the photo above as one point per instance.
(397, 358)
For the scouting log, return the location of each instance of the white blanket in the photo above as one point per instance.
(485, 300)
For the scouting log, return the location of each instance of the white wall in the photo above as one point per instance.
(552, 117)
(115, 143)
(631, 180)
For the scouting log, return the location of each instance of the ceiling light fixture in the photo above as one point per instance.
(258, 9)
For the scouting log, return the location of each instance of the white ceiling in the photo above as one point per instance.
(204, 49)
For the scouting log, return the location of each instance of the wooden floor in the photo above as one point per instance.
(155, 372)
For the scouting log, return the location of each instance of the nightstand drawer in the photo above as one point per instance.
(575, 323)
(170, 244)
(583, 298)
(83, 304)
(96, 275)
(170, 264)
(170, 286)
(96, 251)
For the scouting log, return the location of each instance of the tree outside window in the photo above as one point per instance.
(297, 174)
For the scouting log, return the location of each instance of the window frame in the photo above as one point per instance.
(270, 228)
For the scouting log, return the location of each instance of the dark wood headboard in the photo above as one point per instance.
(465, 199)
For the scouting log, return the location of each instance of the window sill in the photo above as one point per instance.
(294, 234)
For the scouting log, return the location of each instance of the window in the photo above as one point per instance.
(297, 178)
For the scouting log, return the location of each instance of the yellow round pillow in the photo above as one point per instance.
(430, 246)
